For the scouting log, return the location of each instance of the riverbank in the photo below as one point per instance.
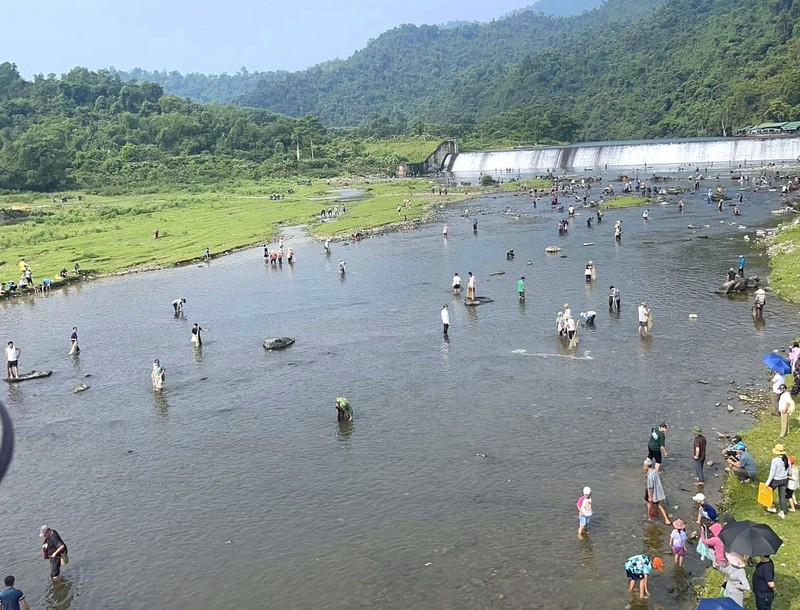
(782, 249)
(115, 234)
(740, 501)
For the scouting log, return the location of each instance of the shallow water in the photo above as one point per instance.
(236, 487)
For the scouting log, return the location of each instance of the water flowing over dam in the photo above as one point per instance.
(728, 152)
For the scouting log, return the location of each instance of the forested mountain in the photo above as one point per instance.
(627, 69)
(93, 131)
(693, 68)
(409, 72)
(564, 8)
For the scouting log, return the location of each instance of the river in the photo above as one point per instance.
(455, 486)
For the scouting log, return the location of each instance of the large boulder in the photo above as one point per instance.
(278, 343)
(740, 284)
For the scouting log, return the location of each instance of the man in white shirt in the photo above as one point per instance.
(12, 359)
(177, 305)
(777, 381)
(445, 319)
(785, 405)
(644, 316)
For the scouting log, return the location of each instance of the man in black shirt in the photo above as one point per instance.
(764, 583)
(54, 549)
(699, 454)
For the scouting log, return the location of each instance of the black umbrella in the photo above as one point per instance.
(750, 539)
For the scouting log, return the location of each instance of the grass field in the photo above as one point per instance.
(114, 234)
(785, 262)
(741, 502)
(415, 149)
(624, 201)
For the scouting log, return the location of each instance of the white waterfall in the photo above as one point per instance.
(728, 152)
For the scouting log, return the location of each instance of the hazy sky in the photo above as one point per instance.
(43, 36)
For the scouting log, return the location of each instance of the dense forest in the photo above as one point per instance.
(91, 130)
(94, 131)
(626, 69)
(664, 68)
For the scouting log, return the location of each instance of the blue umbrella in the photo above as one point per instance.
(776, 363)
(718, 603)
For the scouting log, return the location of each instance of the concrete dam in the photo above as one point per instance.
(717, 152)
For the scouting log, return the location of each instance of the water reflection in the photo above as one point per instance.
(160, 404)
(60, 596)
(344, 430)
(586, 554)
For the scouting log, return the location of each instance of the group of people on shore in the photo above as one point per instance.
(27, 285)
(707, 541)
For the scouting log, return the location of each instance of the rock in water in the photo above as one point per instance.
(477, 301)
(81, 388)
(278, 343)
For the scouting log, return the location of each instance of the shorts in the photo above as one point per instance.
(12, 363)
(55, 567)
(457, 287)
(789, 493)
(522, 293)
(633, 576)
(584, 521)
(642, 324)
(654, 455)
(679, 551)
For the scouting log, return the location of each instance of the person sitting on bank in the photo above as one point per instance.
(63, 273)
(344, 411)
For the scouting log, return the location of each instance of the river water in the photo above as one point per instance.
(237, 488)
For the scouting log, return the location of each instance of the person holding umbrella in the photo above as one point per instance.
(778, 478)
(764, 583)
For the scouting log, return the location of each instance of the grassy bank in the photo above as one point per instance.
(785, 261)
(624, 201)
(114, 234)
(740, 500)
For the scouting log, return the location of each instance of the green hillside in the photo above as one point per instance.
(626, 69)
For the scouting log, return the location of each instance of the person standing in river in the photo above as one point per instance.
(471, 286)
(54, 549)
(158, 375)
(521, 288)
(12, 360)
(699, 455)
(657, 444)
(644, 319)
(177, 306)
(196, 340)
(741, 265)
(73, 339)
(445, 319)
(613, 298)
(654, 493)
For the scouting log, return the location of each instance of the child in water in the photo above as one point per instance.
(677, 540)
(584, 505)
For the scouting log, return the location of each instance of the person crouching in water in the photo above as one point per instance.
(343, 410)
